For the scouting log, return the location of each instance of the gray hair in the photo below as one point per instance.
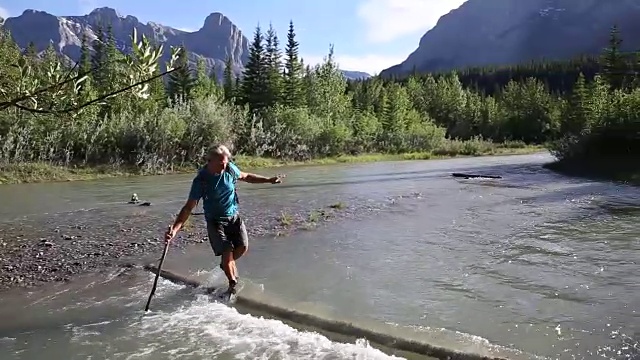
(217, 151)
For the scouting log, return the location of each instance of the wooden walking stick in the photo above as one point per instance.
(155, 281)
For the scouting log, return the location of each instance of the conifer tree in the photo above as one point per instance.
(613, 64)
(204, 82)
(228, 81)
(273, 58)
(99, 59)
(31, 52)
(237, 90)
(9, 55)
(578, 109)
(293, 94)
(254, 82)
(113, 57)
(181, 82)
(84, 64)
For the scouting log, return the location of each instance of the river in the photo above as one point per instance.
(533, 265)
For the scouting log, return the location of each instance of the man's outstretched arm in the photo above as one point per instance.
(258, 179)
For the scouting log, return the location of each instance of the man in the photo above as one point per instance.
(215, 184)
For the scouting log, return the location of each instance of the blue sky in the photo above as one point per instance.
(368, 35)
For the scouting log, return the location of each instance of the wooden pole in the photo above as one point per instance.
(155, 281)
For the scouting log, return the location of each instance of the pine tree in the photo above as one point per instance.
(112, 59)
(31, 52)
(397, 106)
(157, 91)
(9, 55)
(98, 60)
(578, 106)
(613, 64)
(84, 64)
(274, 67)
(228, 81)
(181, 82)
(49, 56)
(112, 75)
(293, 93)
(204, 85)
(216, 85)
(254, 82)
(237, 90)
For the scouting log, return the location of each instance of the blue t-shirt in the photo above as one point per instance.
(217, 191)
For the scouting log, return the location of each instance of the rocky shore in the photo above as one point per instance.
(57, 247)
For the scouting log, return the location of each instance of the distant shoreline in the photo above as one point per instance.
(626, 171)
(43, 172)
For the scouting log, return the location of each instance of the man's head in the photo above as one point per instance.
(218, 158)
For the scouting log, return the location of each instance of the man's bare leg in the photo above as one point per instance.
(237, 254)
(229, 268)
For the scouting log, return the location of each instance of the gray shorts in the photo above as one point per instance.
(226, 235)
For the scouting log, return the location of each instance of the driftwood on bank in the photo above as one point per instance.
(475, 176)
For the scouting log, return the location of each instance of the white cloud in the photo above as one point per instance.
(369, 63)
(387, 20)
(4, 13)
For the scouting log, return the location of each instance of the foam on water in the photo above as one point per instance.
(204, 329)
(249, 336)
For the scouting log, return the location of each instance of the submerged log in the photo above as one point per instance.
(475, 176)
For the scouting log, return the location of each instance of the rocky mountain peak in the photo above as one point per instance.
(501, 32)
(105, 12)
(216, 20)
(217, 39)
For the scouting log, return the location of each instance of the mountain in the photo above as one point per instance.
(502, 32)
(217, 38)
(355, 75)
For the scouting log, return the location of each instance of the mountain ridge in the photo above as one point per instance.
(506, 32)
(217, 38)
(65, 32)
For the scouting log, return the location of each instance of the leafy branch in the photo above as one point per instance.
(143, 61)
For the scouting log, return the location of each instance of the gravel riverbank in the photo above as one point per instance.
(57, 247)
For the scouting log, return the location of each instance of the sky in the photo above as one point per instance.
(367, 35)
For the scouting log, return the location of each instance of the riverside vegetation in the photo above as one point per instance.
(283, 111)
(61, 121)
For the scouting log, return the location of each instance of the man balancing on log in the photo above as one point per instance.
(215, 183)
